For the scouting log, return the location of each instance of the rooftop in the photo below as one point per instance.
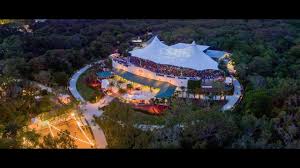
(181, 54)
(166, 89)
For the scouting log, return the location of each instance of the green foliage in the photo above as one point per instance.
(43, 77)
(96, 96)
(256, 133)
(261, 66)
(123, 136)
(12, 46)
(31, 139)
(62, 141)
(129, 86)
(119, 111)
(209, 130)
(266, 55)
(88, 93)
(45, 104)
(258, 103)
(193, 85)
(61, 78)
(16, 67)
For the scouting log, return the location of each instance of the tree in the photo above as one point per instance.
(30, 139)
(12, 46)
(43, 76)
(96, 96)
(258, 103)
(219, 87)
(8, 143)
(61, 78)
(255, 133)
(123, 136)
(119, 111)
(193, 85)
(129, 86)
(62, 141)
(11, 130)
(16, 67)
(212, 130)
(45, 104)
(260, 66)
(257, 81)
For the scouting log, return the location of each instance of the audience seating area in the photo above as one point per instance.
(171, 70)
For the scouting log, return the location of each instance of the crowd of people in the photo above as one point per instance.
(174, 70)
(122, 61)
(170, 70)
(211, 74)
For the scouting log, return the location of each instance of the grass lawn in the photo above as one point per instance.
(85, 91)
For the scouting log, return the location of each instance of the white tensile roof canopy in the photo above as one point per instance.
(181, 54)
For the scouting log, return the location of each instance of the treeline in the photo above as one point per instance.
(266, 55)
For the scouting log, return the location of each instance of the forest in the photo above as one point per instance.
(266, 54)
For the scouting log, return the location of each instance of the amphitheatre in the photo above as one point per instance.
(152, 75)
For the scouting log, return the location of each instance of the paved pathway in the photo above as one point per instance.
(233, 99)
(73, 81)
(90, 110)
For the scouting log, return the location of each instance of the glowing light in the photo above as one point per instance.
(50, 129)
(72, 136)
(78, 124)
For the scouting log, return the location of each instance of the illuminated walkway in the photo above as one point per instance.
(233, 99)
(90, 110)
(73, 82)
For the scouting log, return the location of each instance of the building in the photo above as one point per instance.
(171, 66)
(138, 40)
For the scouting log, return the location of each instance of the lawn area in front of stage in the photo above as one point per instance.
(85, 91)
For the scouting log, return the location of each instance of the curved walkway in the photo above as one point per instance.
(90, 110)
(233, 99)
(73, 82)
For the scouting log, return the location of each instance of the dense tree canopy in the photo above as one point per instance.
(266, 54)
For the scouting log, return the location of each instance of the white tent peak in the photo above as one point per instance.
(181, 54)
(156, 38)
(156, 42)
(193, 43)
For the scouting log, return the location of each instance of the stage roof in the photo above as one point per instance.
(166, 89)
(181, 54)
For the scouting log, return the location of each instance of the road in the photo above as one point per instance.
(90, 110)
